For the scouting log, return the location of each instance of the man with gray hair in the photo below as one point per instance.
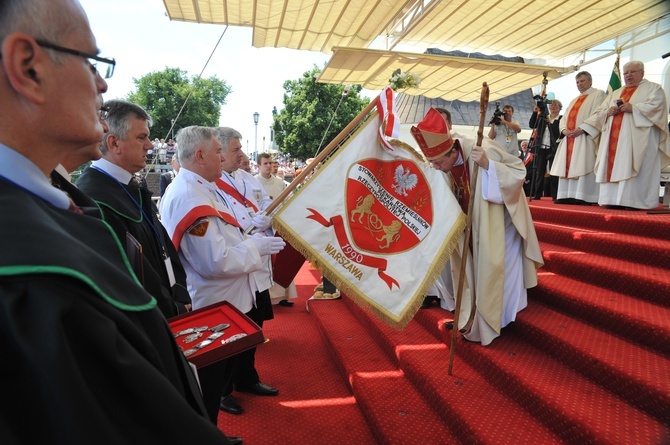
(128, 208)
(85, 350)
(220, 260)
(576, 153)
(246, 199)
(634, 146)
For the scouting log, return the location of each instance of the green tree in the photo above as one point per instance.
(308, 109)
(162, 94)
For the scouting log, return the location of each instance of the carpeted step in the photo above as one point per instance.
(473, 408)
(640, 249)
(549, 386)
(396, 412)
(637, 375)
(638, 223)
(353, 347)
(639, 321)
(567, 402)
(639, 280)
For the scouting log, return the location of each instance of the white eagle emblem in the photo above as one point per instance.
(404, 180)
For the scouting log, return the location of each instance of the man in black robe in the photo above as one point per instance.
(128, 208)
(87, 356)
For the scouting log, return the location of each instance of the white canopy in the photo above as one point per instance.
(532, 29)
(450, 78)
(548, 29)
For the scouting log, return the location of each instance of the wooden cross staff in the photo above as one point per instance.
(483, 106)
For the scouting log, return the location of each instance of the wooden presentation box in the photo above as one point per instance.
(218, 349)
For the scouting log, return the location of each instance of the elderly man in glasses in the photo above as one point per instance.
(632, 123)
(86, 351)
(60, 176)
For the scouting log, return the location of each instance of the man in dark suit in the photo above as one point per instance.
(167, 177)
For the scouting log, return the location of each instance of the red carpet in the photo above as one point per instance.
(315, 404)
(587, 362)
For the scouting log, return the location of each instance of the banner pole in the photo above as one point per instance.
(320, 157)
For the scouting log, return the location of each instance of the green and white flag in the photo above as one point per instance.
(615, 79)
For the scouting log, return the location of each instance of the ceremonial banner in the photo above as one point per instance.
(615, 78)
(379, 225)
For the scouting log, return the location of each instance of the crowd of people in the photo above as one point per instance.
(91, 274)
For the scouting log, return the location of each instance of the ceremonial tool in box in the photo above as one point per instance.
(214, 333)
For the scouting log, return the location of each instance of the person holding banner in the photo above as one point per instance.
(220, 260)
(506, 252)
(576, 153)
(246, 199)
(634, 146)
(442, 291)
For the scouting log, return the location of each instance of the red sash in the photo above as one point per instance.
(570, 125)
(196, 213)
(235, 194)
(460, 178)
(616, 129)
(529, 158)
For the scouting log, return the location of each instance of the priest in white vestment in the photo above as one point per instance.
(505, 249)
(634, 145)
(576, 153)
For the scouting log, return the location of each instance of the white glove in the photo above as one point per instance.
(261, 222)
(268, 245)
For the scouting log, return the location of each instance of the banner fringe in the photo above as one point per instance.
(397, 143)
(364, 303)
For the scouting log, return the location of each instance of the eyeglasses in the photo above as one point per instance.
(92, 59)
(102, 113)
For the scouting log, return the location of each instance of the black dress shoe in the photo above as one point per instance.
(449, 325)
(230, 405)
(428, 301)
(286, 303)
(234, 440)
(259, 388)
